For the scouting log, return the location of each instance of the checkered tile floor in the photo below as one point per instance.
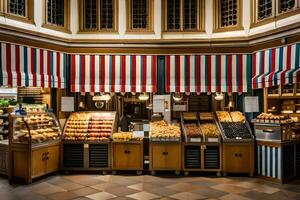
(146, 187)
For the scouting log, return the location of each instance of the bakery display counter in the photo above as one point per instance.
(164, 147)
(205, 153)
(238, 143)
(269, 127)
(127, 151)
(86, 141)
(277, 146)
(34, 145)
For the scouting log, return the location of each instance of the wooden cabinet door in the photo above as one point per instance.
(120, 159)
(173, 157)
(38, 162)
(135, 156)
(236, 159)
(158, 158)
(52, 159)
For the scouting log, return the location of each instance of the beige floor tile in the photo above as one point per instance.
(46, 189)
(63, 196)
(233, 197)
(266, 189)
(143, 196)
(230, 188)
(101, 196)
(70, 186)
(184, 187)
(187, 195)
(85, 191)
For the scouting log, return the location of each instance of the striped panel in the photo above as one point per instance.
(276, 66)
(269, 161)
(113, 73)
(28, 66)
(208, 73)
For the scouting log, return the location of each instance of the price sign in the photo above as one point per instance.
(251, 104)
(195, 139)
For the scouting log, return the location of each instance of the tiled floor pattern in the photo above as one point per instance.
(145, 187)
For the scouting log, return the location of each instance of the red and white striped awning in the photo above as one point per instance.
(28, 66)
(276, 66)
(208, 73)
(113, 73)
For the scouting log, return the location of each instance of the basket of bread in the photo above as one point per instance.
(210, 132)
(162, 131)
(223, 116)
(193, 132)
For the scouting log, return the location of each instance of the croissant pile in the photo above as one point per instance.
(161, 129)
(237, 116)
(210, 130)
(223, 116)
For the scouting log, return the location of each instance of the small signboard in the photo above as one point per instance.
(251, 104)
(67, 104)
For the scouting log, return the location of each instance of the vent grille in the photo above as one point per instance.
(192, 157)
(298, 159)
(99, 155)
(288, 156)
(73, 155)
(212, 157)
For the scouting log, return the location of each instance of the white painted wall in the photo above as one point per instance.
(157, 34)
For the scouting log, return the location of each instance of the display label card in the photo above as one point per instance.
(251, 104)
(179, 107)
(138, 134)
(158, 105)
(67, 104)
(213, 139)
(195, 139)
(146, 127)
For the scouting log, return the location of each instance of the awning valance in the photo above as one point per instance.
(208, 73)
(276, 66)
(113, 73)
(29, 66)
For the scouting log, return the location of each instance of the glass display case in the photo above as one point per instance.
(86, 140)
(35, 128)
(34, 145)
(89, 126)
